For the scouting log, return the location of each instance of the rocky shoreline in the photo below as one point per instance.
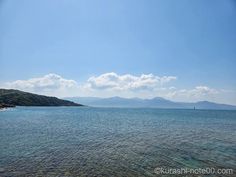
(3, 106)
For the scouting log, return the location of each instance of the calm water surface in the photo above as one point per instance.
(72, 141)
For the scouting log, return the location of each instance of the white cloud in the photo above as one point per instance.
(113, 81)
(49, 84)
(203, 90)
(197, 93)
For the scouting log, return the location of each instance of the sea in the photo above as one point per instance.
(119, 142)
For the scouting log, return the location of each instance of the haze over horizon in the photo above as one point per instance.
(178, 50)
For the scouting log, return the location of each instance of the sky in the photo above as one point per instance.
(181, 50)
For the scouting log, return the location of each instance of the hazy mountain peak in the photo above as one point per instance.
(158, 98)
(156, 102)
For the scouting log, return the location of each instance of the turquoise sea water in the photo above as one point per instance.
(72, 141)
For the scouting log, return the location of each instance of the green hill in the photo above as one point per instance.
(20, 98)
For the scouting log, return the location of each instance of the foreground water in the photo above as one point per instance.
(72, 141)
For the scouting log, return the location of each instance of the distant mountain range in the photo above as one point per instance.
(156, 102)
(10, 97)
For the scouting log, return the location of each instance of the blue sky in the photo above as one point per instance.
(193, 41)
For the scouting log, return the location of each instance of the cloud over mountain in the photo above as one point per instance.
(196, 94)
(113, 81)
(49, 82)
(113, 84)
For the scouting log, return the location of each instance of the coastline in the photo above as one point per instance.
(4, 106)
